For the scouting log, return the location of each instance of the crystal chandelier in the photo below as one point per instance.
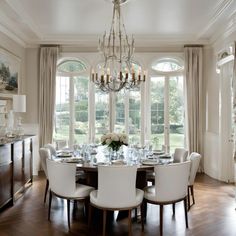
(118, 70)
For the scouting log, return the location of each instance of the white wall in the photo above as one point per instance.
(28, 85)
(211, 102)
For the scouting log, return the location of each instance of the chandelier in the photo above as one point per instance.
(118, 70)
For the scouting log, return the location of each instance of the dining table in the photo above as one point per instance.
(98, 156)
(88, 165)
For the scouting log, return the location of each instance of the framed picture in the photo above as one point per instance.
(9, 73)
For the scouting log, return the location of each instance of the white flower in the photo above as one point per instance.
(123, 138)
(103, 138)
(108, 141)
(115, 137)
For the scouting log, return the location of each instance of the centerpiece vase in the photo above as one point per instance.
(114, 154)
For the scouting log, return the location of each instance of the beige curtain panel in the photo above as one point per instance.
(47, 93)
(234, 100)
(193, 88)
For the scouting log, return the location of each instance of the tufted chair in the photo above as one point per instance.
(171, 182)
(180, 155)
(62, 184)
(195, 161)
(44, 154)
(116, 191)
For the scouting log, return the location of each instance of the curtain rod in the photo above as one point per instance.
(49, 45)
(193, 45)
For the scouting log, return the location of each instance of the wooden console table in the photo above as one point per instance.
(15, 168)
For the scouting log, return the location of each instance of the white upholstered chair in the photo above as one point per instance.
(62, 184)
(116, 191)
(171, 183)
(51, 148)
(44, 154)
(195, 161)
(180, 155)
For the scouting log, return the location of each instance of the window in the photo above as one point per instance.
(153, 112)
(71, 118)
(167, 65)
(167, 105)
(102, 113)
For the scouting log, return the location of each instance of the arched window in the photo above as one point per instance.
(167, 104)
(71, 117)
(168, 65)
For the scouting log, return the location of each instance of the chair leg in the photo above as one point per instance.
(104, 222)
(68, 213)
(136, 213)
(161, 220)
(173, 208)
(186, 212)
(50, 203)
(188, 199)
(46, 190)
(142, 216)
(192, 193)
(86, 207)
(130, 229)
(90, 216)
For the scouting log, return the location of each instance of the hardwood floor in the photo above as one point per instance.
(213, 214)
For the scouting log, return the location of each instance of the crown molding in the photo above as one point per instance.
(216, 14)
(12, 36)
(16, 6)
(140, 40)
(226, 31)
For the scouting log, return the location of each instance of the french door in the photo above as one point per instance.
(167, 112)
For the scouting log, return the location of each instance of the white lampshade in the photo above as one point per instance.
(19, 103)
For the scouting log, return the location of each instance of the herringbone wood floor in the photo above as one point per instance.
(213, 215)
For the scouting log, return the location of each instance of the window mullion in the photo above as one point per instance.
(72, 112)
(91, 112)
(127, 112)
(166, 114)
(112, 112)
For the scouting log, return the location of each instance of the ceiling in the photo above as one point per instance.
(81, 22)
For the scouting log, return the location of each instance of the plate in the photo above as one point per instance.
(150, 162)
(158, 152)
(73, 160)
(100, 164)
(118, 162)
(165, 156)
(63, 155)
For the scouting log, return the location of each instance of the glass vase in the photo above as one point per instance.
(114, 154)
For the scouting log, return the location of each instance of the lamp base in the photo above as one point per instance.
(19, 131)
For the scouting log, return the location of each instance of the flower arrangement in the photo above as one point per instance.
(114, 140)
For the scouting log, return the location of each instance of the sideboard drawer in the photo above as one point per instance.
(18, 150)
(5, 154)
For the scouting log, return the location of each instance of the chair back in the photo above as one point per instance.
(180, 155)
(44, 154)
(61, 177)
(51, 148)
(195, 161)
(117, 186)
(171, 181)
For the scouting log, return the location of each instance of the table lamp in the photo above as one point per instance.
(19, 105)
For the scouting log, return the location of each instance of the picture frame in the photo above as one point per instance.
(10, 66)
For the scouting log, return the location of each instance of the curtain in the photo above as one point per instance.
(47, 93)
(193, 103)
(234, 100)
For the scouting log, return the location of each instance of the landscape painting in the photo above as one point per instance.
(9, 73)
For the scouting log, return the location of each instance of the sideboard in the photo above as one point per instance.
(16, 158)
